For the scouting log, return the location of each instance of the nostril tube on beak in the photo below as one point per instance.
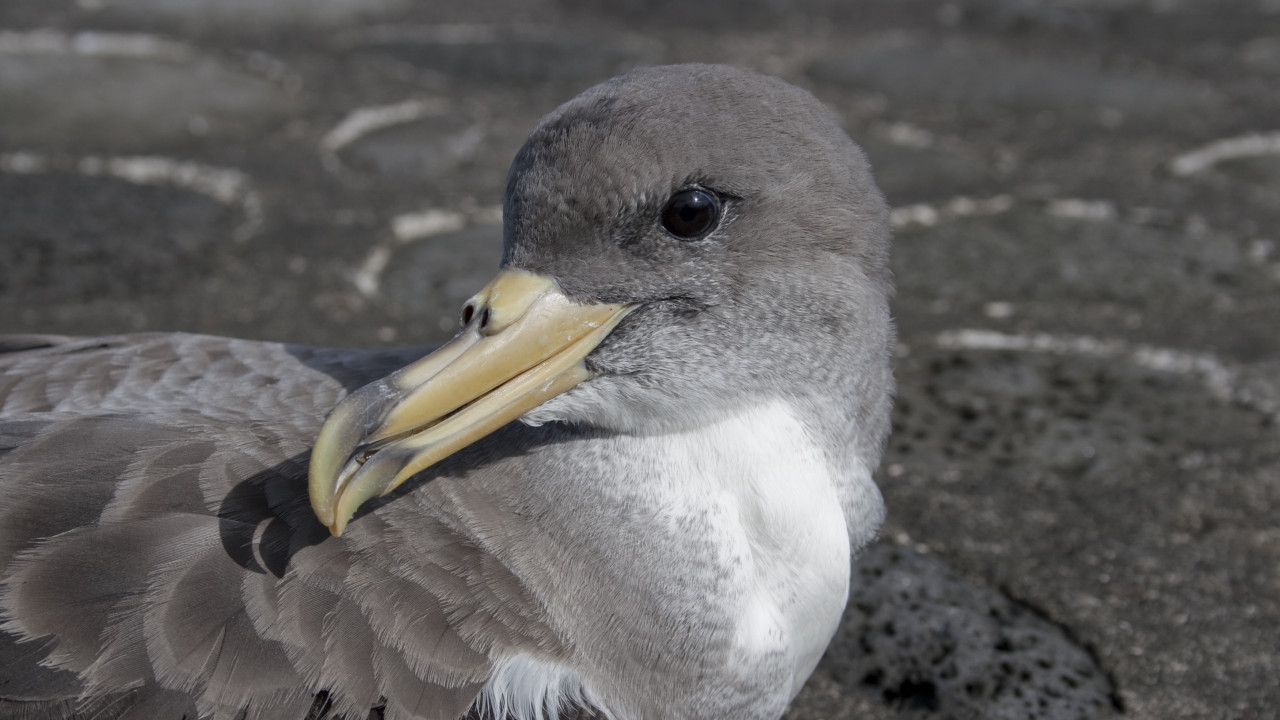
(483, 322)
(469, 313)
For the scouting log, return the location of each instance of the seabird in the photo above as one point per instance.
(631, 486)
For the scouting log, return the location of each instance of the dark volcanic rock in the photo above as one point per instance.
(932, 645)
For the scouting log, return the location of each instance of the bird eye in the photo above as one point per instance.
(691, 213)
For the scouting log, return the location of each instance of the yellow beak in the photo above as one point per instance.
(524, 343)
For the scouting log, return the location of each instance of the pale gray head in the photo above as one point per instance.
(782, 288)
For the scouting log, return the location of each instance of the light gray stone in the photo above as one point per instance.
(113, 102)
(520, 57)
(909, 174)
(431, 278)
(430, 147)
(978, 76)
(1100, 277)
(72, 239)
(197, 14)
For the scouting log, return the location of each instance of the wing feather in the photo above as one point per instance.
(159, 557)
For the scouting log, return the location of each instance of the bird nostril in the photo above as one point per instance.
(484, 318)
(467, 311)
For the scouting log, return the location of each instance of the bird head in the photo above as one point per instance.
(678, 242)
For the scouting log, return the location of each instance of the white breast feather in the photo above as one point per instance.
(788, 512)
(775, 507)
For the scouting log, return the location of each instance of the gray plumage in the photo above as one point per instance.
(161, 559)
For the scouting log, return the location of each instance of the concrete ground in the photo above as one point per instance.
(1085, 474)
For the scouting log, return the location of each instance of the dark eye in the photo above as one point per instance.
(691, 213)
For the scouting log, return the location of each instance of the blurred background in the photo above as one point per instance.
(1084, 476)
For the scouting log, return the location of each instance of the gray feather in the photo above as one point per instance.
(189, 566)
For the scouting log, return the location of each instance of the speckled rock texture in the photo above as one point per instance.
(933, 645)
(1084, 479)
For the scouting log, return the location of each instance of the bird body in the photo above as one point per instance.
(695, 258)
